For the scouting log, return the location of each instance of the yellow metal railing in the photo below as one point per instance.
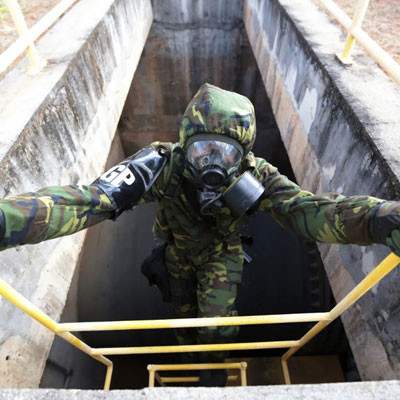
(28, 36)
(63, 329)
(355, 32)
(23, 304)
(153, 372)
(352, 27)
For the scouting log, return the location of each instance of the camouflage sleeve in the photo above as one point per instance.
(329, 217)
(52, 212)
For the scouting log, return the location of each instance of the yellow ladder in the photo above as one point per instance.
(323, 319)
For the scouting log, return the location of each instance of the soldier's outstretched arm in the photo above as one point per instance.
(51, 212)
(62, 210)
(329, 217)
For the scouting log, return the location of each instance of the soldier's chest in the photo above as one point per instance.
(183, 214)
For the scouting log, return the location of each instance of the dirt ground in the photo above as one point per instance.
(382, 22)
(33, 10)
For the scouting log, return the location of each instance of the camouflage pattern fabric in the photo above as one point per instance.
(205, 286)
(52, 212)
(204, 255)
(214, 110)
(329, 217)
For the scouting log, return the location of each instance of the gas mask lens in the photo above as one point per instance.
(212, 163)
(212, 153)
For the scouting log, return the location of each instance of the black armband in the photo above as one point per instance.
(127, 182)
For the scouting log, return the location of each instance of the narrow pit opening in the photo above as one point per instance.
(285, 276)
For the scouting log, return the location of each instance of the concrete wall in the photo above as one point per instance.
(110, 285)
(192, 42)
(66, 366)
(56, 128)
(189, 43)
(388, 390)
(340, 128)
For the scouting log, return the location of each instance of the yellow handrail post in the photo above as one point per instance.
(151, 375)
(18, 17)
(107, 381)
(285, 369)
(359, 14)
(373, 49)
(387, 265)
(243, 377)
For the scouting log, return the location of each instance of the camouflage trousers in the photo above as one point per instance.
(205, 285)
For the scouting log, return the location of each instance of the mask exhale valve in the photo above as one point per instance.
(212, 178)
(243, 194)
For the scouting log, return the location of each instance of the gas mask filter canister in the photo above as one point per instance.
(242, 194)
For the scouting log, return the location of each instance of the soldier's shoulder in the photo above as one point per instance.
(258, 166)
(170, 177)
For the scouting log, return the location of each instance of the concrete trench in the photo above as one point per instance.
(88, 113)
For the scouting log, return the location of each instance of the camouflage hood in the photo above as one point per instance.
(218, 111)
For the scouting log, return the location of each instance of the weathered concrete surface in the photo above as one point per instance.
(189, 43)
(56, 128)
(111, 286)
(386, 390)
(340, 128)
(67, 367)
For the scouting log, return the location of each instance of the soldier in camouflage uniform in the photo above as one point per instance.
(204, 255)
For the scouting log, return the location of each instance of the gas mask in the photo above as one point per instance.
(213, 161)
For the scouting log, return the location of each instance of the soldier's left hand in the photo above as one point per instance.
(393, 241)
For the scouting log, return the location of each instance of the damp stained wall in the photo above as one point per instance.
(56, 129)
(210, 42)
(340, 128)
(339, 124)
(189, 43)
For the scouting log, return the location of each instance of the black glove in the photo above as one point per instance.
(385, 225)
(155, 270)
(393, 241)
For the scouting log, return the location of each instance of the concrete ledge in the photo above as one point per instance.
(386, 390)
(340, 127)
(56, 128)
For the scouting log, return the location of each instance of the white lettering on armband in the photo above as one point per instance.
(118, 174)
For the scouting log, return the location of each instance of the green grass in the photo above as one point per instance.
(3, 9)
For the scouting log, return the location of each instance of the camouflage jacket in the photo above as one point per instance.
(333, 218)
(58, 211)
